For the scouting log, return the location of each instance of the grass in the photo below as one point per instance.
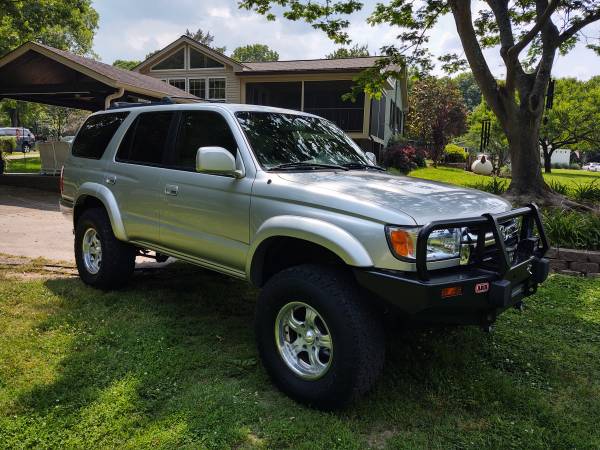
(170, 362)
(568, 177)
(29, 164)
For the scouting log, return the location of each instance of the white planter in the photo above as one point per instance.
(482, 166)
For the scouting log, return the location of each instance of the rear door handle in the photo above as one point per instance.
(171, 189)
(111, 180)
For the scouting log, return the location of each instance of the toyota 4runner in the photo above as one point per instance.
(288, 202)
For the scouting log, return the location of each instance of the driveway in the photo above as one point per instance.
(31, 225)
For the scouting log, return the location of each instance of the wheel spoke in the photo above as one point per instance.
(315, 362)
(294, 324)
(324, 341)
(310, 317)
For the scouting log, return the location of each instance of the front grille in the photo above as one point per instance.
(509, 230)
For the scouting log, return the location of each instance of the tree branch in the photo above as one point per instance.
(528, 37)
(578, 26)
(461, 10)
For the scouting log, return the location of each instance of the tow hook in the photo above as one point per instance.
(520, 306)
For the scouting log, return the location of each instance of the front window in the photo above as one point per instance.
(280, 139)
(216, 88)
(179, 83)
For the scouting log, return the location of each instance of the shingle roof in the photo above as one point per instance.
(310, 65)
(127, 77)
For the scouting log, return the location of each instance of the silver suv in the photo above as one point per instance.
(286, 201)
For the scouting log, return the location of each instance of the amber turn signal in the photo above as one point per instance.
(453, 291)
(402, 243)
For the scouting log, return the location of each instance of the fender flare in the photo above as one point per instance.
(109, 201)
(325, 234)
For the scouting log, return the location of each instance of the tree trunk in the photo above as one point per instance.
(527, 183)
(547, 157)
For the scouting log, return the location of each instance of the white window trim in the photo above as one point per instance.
(185, 63)
(189, 61)
(206, 84)
(195, 79)
(166, 80)
(208, 88)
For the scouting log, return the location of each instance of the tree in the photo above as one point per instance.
(527, 33)
(469, 89)
(204, 38)
(436, 113)
(65, 24)
(572, 122)
(255, 53)
(356, 51)
(125, 64)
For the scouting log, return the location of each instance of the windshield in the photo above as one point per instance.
(278, 139)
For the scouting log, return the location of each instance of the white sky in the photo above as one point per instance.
(130, 29)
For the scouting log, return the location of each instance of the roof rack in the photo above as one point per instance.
(164, 101)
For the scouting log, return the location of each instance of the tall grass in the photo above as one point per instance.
(571, 229)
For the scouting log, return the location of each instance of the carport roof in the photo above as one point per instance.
(43, 74)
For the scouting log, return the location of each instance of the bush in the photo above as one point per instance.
(559, 166)
(558, 187)
(8, 143)
(497, 186)
(587, 191)
(571, 229)
(575, 166)
(454, 154)
(404, 158)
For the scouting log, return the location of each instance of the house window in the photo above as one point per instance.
(216, 88)
(198, 87)
(178, 83)
(173, 62)
(201, 61)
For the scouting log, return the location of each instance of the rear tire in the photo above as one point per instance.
(331, 362)
(102, 260)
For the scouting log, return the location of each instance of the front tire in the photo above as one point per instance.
(318, 340)
(102, 260)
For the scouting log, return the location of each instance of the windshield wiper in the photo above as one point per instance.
(307, 165)
(359, 165)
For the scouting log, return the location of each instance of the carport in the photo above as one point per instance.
(38, 73)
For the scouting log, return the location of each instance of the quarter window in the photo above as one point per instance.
(145, 141)
(200, 129)
(96, 133)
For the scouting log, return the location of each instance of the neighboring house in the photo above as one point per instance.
(315, 86)
(560, 156)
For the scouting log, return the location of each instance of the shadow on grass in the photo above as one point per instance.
(170, 360)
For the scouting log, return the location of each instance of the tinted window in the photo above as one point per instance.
(96, 133)
(200, 129)
(175, 61)
(146, 138)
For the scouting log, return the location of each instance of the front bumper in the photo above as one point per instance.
(480, 290)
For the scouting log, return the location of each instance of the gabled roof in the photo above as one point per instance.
(156, 57)
(102, 77)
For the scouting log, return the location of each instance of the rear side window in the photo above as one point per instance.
(96, 133)
(200, 129)
(146, 138)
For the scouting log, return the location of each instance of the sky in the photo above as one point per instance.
(130, 29)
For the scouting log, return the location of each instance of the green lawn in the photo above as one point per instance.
(170, 362)
(30, 164)
(464, 178)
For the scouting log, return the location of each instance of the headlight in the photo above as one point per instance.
(442, 244)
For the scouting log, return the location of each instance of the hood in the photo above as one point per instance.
(423, 200)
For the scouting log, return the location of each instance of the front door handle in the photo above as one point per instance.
(171, 189)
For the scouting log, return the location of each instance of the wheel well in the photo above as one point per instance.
(85, 202)
(278, 253)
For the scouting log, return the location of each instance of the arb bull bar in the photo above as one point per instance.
(499, 272)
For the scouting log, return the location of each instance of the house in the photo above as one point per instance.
(315, 86)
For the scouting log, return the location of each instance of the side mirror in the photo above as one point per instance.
(217, 160)
(371, 157)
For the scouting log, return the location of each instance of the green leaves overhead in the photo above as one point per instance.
(255, 53)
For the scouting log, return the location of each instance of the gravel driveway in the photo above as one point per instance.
(32, 225)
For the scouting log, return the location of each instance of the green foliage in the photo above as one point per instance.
(497, 147)
(436, 113)
(497, 186)
(125, 64)
(255, 53)
(203, 37)
(65, 24)
(469, 90)
(571, 229)
(8, 144)
(558, 187)
(404, 158)
(587, 191)
(356, 51)
(454, 154)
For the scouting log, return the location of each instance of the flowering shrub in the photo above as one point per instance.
(404, 158)
(454, 154)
